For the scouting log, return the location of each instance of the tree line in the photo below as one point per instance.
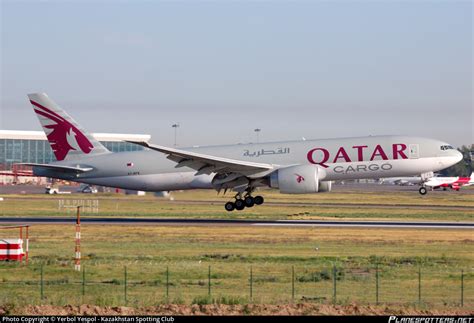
(465, 167)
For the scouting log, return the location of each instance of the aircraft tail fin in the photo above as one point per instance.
(67, 138)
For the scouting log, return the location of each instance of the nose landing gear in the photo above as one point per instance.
(241, 203)
(423, 190)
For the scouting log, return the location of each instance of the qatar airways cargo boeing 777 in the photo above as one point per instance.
(295, 167)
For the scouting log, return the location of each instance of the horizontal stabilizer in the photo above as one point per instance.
(65, 169)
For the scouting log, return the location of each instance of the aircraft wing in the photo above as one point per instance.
(206, 164)
(65, 169)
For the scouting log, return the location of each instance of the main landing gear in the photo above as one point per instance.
(241, 203)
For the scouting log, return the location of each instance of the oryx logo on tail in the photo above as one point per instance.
(62, 135)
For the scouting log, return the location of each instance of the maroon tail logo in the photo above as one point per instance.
(299, 178)
(63, 136)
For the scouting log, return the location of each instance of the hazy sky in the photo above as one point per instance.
(222, 69)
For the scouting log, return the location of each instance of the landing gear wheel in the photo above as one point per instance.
(229, 206)
(239, 204)
(258, 200)
(249, 201)
(423, 190)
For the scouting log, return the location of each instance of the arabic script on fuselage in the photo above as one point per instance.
(263, 152)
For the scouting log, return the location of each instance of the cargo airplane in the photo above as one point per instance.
(294, 167)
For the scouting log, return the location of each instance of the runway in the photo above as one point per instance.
(341, 205)
(234, 222)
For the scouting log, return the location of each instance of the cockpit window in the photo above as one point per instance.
(446, 147)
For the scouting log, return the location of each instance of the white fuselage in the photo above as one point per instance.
(345, 158)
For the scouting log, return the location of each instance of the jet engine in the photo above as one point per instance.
(300, 179)
(325, 186)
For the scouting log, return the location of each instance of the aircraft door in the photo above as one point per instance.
(414, 151)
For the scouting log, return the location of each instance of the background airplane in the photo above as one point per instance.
(454, 183)
(294, 167)
(434, 182)
(402, 181)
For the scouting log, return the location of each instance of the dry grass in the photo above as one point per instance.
(232, 251)
(250, 309)
(385, 240)
(271, 252)
(381, 205)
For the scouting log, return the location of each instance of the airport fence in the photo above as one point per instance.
(204, 283)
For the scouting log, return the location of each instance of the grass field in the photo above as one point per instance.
(231, 252)
(348, 205)
(287, 264)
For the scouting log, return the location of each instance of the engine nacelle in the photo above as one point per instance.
(325, 186)
(300, 179)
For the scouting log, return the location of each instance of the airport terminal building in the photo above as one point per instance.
(32, 147)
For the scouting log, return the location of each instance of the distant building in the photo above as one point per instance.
(32, 147)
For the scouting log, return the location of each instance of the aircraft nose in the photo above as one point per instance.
(458, 156)
(451, 157)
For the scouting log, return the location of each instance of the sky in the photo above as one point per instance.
(312, 69)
